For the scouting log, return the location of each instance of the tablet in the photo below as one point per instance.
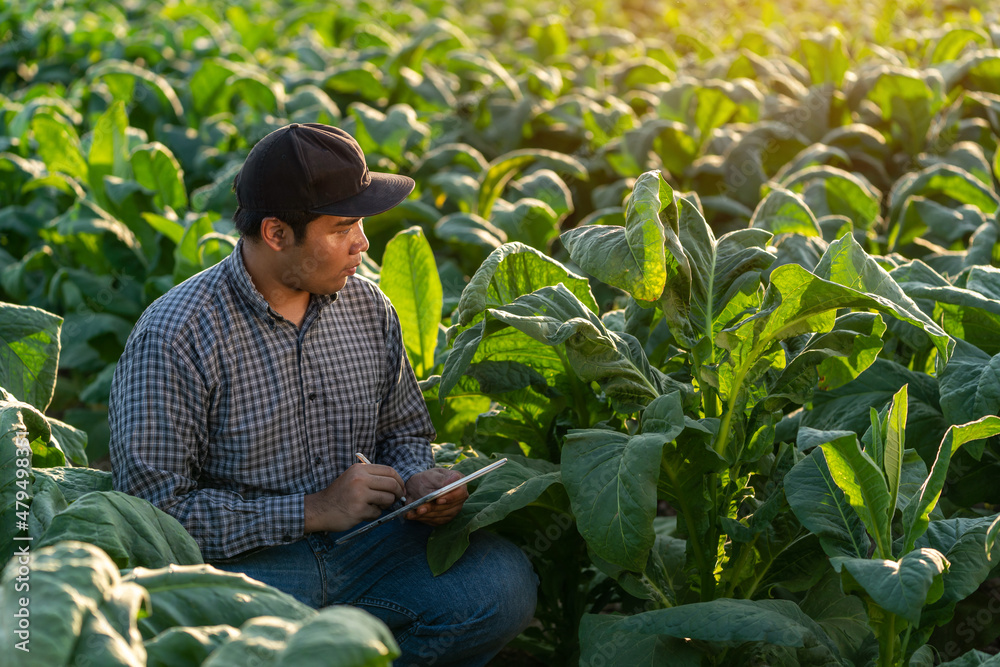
(426, 499)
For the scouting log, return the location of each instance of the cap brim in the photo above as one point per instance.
(384, 192)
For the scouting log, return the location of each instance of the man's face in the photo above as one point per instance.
(329, 253)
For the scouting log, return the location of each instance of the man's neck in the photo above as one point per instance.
(264, 273)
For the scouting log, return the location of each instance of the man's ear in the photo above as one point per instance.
(276, 234)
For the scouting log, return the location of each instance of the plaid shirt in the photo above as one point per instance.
(225, 415)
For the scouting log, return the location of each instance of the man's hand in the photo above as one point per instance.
(359, 494)
(440, 510)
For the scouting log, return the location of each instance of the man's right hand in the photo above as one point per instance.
(359, 494)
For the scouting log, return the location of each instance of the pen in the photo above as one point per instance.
(364, 459)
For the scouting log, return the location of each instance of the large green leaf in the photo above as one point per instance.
(784, 212)
(727, 622)
(156, 169)
(513, 270)
(611, 480)
(843, 617)
(711, 280)
(863, 483)
(892, 454)
(970, 385)
(846, 263)
(59, 146)
(821, 506)
(941, 182)
(187, 646)
(109, 150)
(964, 313)
(554, 316)
(397, 134)
(901, 587)
(132, 531)
(516, 484)
(961, 541)
(410, 279)
(917, 512)
(830, 360)
(630, 257)
(584, 347)
(501, 170)
(908, 102)
(29, 353)
(79, 604)
(354, 636)
(531, 220)
(193, 595)
(611, 639)
(829, 191)
(18, 427)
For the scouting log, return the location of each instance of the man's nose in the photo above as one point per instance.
(360, 245)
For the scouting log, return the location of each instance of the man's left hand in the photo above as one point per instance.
(440, 510)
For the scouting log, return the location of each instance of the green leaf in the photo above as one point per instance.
(80, 602)
(848, 407)
(122, 76)
(862, 482)
(630, 257)
(917, 512)
(991, 536)
(953, 42)
(187, 646)
(785, 212)
(156, 169)
(830, 191)
(843, 617)
(108, 149)
(941, 181)
(970, 385)
(961, 541)
(194, 595)
(59, 146)
(70, 440)
(77, 482)
(821, 506)
(727, 623)
(846, 263)
(532, 220)
(354, 636)
(829, 360)
(964, 313)
(894, 446)
(501, 170)
(132, 531)
(410, 279)
(908, 102)
(516, 484)
(611, 480)
(604, 639)
(901, 587)
(554, 316)
(29, 353)
(825, 56)
(974, 658)
(396, 134)
(514, 270)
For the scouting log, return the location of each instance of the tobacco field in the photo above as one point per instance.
(722, 282)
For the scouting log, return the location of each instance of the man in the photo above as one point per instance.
(244, 394)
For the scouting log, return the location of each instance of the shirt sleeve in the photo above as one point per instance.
(405, 430)
(158, 416)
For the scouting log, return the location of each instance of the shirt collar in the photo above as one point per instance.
(243, 284)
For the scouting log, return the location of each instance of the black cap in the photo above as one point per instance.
(316, 168)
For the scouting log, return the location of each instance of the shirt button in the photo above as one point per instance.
(286, 537)
(312, 397)
(318, 460)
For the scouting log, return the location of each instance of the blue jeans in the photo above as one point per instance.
(461, 617)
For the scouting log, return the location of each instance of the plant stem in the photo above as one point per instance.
(887, 641)
(579, 401)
